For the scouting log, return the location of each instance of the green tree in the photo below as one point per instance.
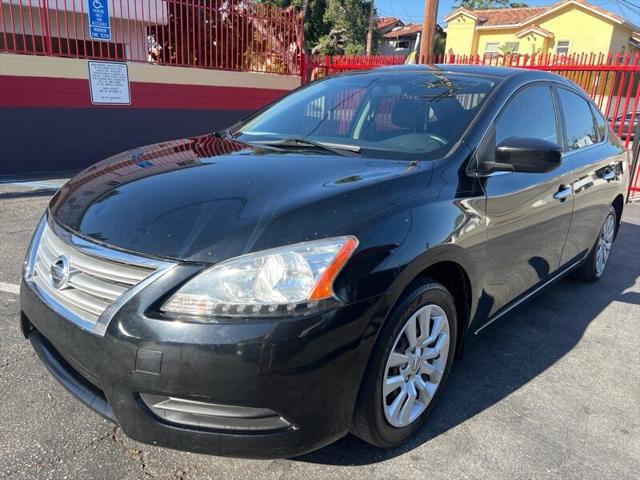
(482, 4)
(333, 27)
(314, 25)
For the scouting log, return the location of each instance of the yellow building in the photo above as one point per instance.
(571, 26)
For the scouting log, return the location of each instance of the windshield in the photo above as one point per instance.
(408, 115)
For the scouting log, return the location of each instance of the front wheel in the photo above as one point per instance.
(408, 368)
(596, 262)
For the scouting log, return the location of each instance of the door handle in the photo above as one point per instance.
(609, 174)
(564, 193)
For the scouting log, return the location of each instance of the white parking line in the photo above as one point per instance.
(9, 288)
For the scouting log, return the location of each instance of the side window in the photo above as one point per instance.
(579, 125)
(530, 114)
(601, 123)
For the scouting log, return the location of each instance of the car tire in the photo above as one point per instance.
(595, 264)
(376, 409)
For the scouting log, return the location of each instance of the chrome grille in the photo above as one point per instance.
(97, 277)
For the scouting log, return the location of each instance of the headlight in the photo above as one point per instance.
(273, 282)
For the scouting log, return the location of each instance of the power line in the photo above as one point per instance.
(629, 6)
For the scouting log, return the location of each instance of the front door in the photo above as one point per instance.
(528, 214)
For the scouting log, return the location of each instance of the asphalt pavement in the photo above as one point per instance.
(552, 392)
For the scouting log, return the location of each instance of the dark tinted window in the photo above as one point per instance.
(581, 131)
(601, 123)
(530, 114)
(399, 115)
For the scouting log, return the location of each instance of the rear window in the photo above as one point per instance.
(579, 123)
(601, 123)
(416, 115)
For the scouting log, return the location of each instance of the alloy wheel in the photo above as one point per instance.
(604, 244)
(415, 365)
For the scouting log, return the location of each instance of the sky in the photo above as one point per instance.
(413, 10)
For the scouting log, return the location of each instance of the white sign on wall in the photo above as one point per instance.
(109, 83)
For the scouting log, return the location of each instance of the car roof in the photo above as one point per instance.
(480, 70)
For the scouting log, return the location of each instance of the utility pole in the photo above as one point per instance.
(372, 10)
(428, 31)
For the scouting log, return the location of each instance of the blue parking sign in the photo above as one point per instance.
(99, 21)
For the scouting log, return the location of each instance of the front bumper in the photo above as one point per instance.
(307, 369)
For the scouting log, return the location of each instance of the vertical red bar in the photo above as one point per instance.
(203, 24)
(58, 35)
(22, 24)
(196, 34)
(275, 39)
(610, 71)
(85, 50)
(123, 41)
(177, 27)
(144, 25)
(244, 44)
(216, 33)
(620, 82)
(634, 113)
(136, 25)
(34, 46)
(228, 32)
(269, 38)
(161, 28)
(101, 44)
(630, 84)
(282, 37)
(186, 32)
(263, 37)
(4, 29)
(195, 55)
(152, 40)
(75, 31)
(13, 29)
(234, 36)
(202, 34)
(130, 31)
(47, 20)
(603, 63)
(165, 14)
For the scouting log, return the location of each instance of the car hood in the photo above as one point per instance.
(206, 199)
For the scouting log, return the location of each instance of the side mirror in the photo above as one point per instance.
(529, 155)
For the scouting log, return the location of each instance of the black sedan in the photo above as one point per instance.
(316, 269)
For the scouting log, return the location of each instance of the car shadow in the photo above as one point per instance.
(517, 349)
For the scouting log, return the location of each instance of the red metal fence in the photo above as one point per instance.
(241, 35)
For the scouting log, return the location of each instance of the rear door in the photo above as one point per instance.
(596, 170)
(527, 214)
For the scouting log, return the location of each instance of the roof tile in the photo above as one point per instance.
(408, 30)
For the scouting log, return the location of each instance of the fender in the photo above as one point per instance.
(438, 254)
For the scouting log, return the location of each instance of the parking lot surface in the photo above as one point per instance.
(553, 391)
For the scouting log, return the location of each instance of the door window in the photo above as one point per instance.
(578, 119)
(529, 114)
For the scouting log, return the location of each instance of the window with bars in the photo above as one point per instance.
(491, 49)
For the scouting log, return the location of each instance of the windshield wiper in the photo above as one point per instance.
(335, 148)
(224, 134)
